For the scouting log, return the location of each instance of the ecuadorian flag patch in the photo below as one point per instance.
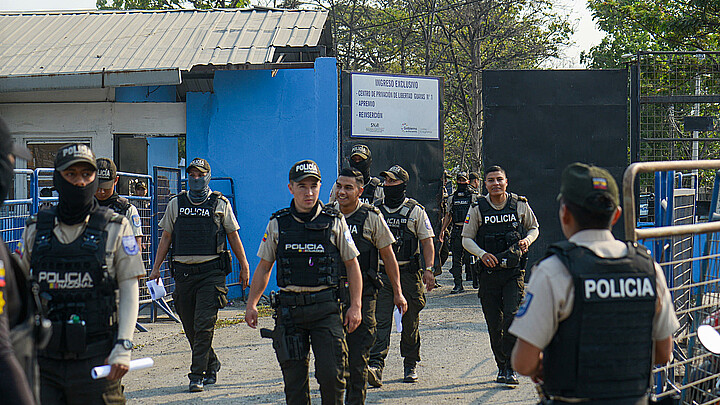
(599, 183)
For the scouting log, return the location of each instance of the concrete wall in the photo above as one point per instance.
(255, 126)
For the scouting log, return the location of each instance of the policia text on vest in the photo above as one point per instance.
(308, 303)
(197, 226)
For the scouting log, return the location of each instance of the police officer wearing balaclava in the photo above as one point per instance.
(18, 365)
(411, 228)
(458, 205)
(197, 225)
(597, 313)
(87, 264)
(360, 159)
(108, 197)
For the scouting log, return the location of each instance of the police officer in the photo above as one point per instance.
(139, 188)
(196, 227)
(82, 256)
(499, 229)
(595, 306)
(309, 241)
(107, 197)
(411, 227)
(18, 365)
(474, 178)
(458, 205)
(360, 159)
(372, 237)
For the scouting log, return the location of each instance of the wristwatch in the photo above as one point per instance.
(430, 269)
(126, 344)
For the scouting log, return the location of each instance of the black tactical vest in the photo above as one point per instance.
(604, 349)
(500, 229)
(196, 233)
(460, 205)
(368, 194)
(406, 243)
(368, 258)
(120, 205)
(306, 255)
(73, 280)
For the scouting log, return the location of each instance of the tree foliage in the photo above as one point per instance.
(168, 4)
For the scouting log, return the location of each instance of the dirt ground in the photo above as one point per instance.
(457, 365)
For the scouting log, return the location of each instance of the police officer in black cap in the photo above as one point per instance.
(309, 242)
(18, 364)
(87, 264)
(108, 197)
(360, 159)
(499, 230)
(597, 313)
(457, 208)
(197, 225)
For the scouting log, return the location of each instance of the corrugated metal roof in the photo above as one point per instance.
(44, 43)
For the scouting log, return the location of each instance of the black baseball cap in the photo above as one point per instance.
(140, 184)
(106, 173)
(73, 153)
(361, 150)
(474, 176)
(396, 173)
(200, 164)
(304, 169)
(462, 176)
(582, 183)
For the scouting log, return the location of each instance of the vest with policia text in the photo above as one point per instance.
(460, 205)
(120, 205)
(406, 243)
(76, 290)
(368, 258)
(196, 232)
(604, 349)
(306, 255)
(500, 229)
(368, 194)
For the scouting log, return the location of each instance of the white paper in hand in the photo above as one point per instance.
(398, 319)
(104, 371)
(156, 288)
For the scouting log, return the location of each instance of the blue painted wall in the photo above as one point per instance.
(162, 151)
(255, 126)
(145, 94)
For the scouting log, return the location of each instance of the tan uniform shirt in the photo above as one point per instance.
(375, 228)
(340, 237)
(418, 223)
(223, 215)
(550, 293)
(473, 221)
(121, 251)
(133, 217)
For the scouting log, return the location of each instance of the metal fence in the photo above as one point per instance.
(689, 254)
(675, 102)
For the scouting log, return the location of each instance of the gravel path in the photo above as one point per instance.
(457, 364)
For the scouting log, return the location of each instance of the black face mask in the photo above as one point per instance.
(363, 167)
(303, 216)
(74, 203)
(394, 195)
(462, 186)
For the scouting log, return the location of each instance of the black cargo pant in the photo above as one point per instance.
(459, 256)
(500, 293)
(414, 292)
(68, 382)
(197, 300)
(359, 343)
(319, 325)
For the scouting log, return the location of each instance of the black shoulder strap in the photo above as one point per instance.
(328, 210)
(100, 218)
(561, 250)
(123, 203)
(46, 220)
(483, 204)
(280, 213)
(513, 202)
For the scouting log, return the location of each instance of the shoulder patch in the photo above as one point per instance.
(130, 245)
(524, 305)
(328, 210)
(136, 221)
(522, 198)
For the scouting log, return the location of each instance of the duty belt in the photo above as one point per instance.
(298, 299)
(197, 268)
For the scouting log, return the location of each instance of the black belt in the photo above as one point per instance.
(199, 267)
(306, 298)
(94, 349)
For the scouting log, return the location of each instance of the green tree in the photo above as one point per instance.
(168, 4)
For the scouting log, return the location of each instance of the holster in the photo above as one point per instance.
(226, 262)
(288, 345)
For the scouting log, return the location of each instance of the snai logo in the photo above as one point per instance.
(305, 247)
(72, 280)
